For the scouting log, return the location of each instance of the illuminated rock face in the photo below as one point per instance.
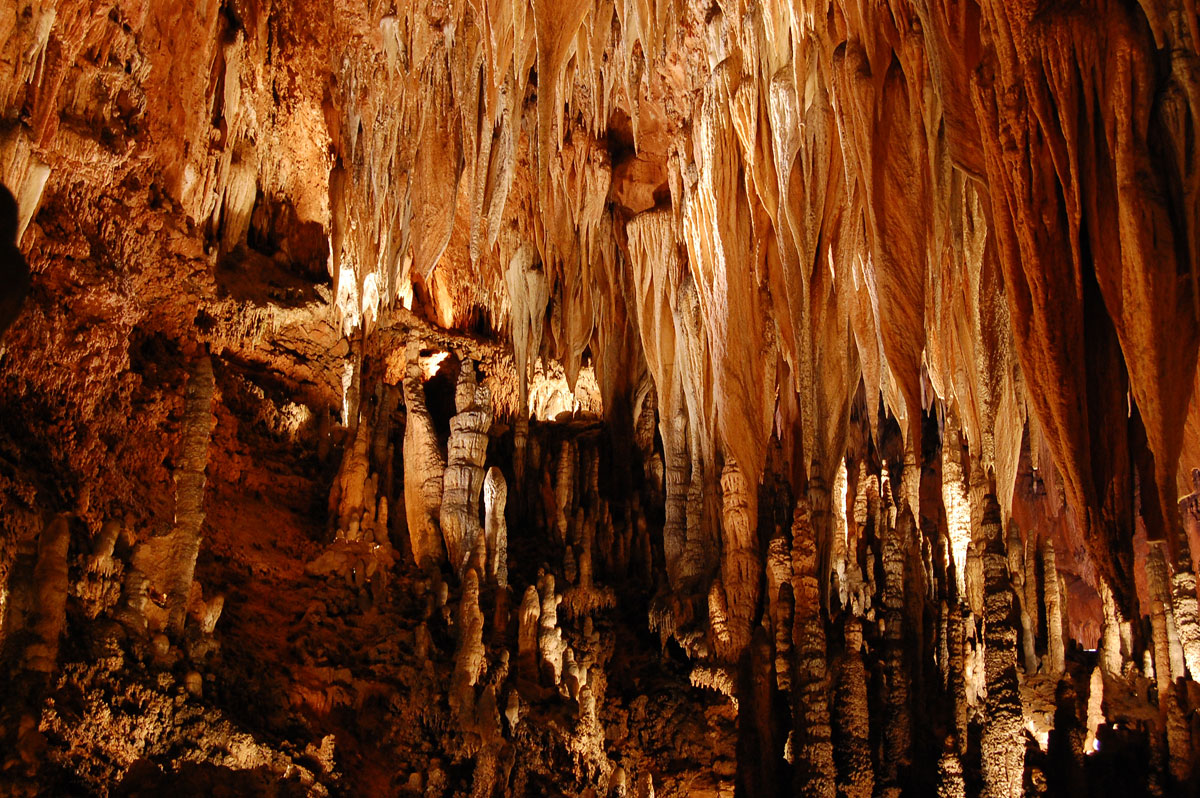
(568, 397)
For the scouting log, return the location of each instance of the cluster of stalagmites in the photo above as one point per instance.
(140, 591)
(931, 650)
(510, 647)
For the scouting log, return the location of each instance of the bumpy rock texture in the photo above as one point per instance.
(540, 397)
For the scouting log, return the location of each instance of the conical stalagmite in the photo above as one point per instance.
(1003, 751)
(50, 591)
(1055, 649)
(812, 745)
(463, 476)
(896, 717)
(495, 498)
(851, 719)
(740, 564)
(424, 465)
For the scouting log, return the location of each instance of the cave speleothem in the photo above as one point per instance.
(599, 398)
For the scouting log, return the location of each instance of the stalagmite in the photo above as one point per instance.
(851, 719)
(781, 606)
(1003, 751)
(564, 489)
(468, 659)
(950, 782)
(813, 750)
(1055, 650)
(897, 717)
(549, 636)
(169, 561)
(423, 466)
(351, 482)
(1183, 584)
(957, 675)
(1160, 605)
(189, 505)
(495, 496)
(527, 635)
(841, 543)
(463, 476)
(1017, 574)
(50, 589)
(740, 565)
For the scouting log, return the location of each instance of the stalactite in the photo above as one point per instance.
(812, 745)
(528, 293)
(1003, 751)
(423, 466)
(463, 476)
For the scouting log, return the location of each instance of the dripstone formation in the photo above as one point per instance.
(569, 397)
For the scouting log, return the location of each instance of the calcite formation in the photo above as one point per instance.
(539, 397)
